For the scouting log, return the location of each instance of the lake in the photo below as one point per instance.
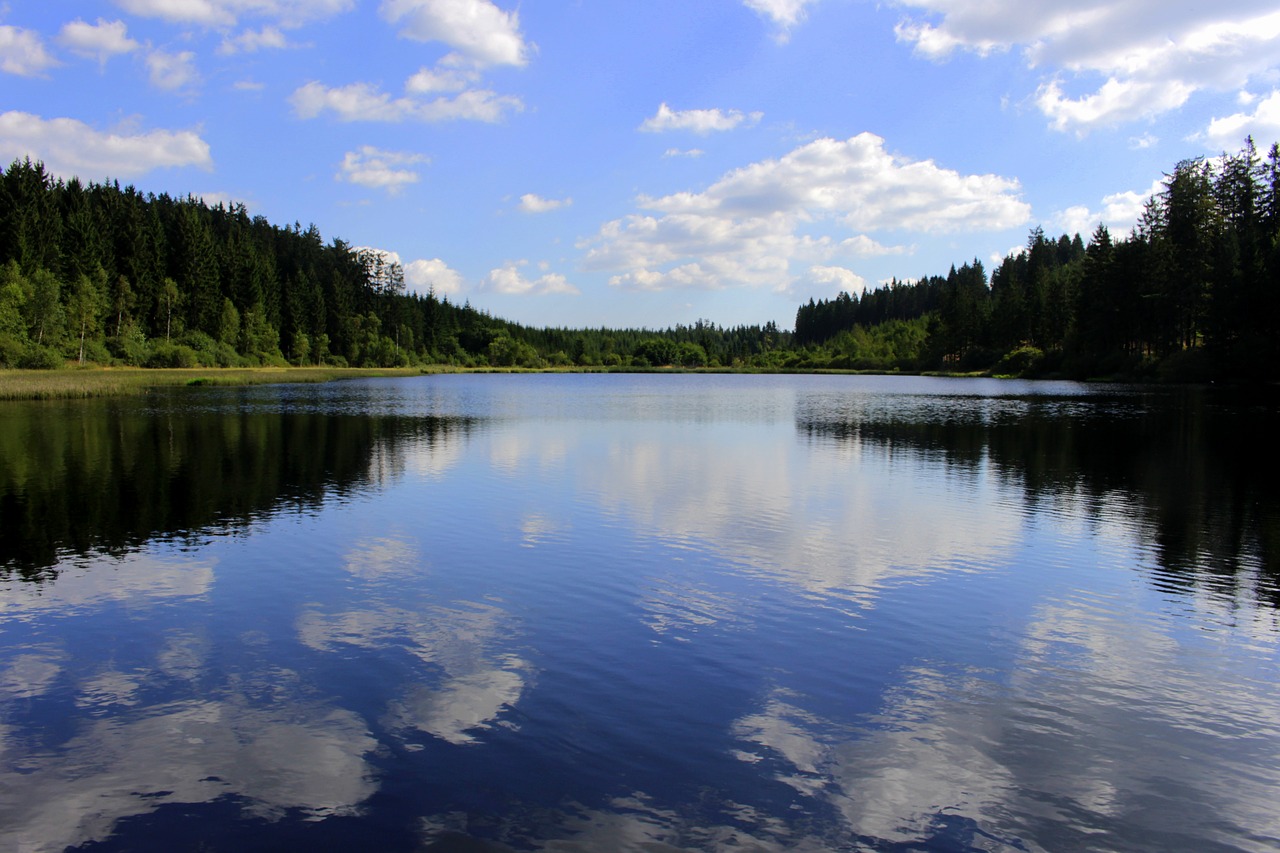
(641, 612)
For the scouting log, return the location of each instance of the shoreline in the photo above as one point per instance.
(84, 383)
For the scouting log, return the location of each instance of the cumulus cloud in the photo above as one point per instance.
(1150, 55)
(432, 276)
(784, 13)
(509, 280)
(365, 102)
(480, 31)
(378, 169)
(252, 41)
(1263, 124)
(747, 228)
(1120, 213)
(530, 203)
(845, 279)
(22, 52)
(864, 247)
(227, 13)
(70, 147)
(172, 71)
(443, 78)
(698, 121)
(100, 41)
(1115, 102)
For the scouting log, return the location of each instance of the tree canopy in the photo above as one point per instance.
(105, 274)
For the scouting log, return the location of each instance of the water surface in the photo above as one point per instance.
(641, 613)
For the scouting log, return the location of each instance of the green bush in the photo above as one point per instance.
(1024, 359)
(168, 354)
(97, 352)
(130, 346)
(37, 357)
(11, 349)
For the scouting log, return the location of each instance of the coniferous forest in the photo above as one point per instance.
(97, 273)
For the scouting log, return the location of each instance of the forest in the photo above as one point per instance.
(100, 274)
(1192, 294)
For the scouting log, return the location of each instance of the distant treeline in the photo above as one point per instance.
(97, 273)
(1192, 293)
(104, 274)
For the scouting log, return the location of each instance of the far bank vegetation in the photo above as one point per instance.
(99, 274)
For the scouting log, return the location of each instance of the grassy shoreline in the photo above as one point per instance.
(126, 381)
(82, 383)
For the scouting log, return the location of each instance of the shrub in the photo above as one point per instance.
(37, 357)
(130, 346)
(11, 349)
(1024, 359)
(169, 354)
(97, 352)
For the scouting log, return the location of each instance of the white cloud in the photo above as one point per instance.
(227, 13)
(1116, 102)
(863, 246)
(435, 276)
(509, 280)
(252, 41)
(483, 33)
(442, 78)
(70, 147)
(1120, 213)
(1150, 55)
(530, 203)
(215, 198)
(172, 71)
(697, 121)
(845, 279)
(22, 52)
(365, 102)
(373, 167)
(1263, 124)
(1146, 140)
(677, 152)
(749, 226)
(100, 41)
(784, 13)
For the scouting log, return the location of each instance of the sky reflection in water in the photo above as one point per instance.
(608, 612)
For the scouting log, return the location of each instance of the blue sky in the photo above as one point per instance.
(602, 163)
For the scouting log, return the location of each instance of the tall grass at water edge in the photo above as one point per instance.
(112, 382)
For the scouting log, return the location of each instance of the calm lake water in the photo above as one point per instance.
(658, 613)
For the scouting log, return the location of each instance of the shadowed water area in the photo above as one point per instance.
(589, 612)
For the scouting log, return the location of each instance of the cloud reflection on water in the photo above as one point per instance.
(1106, 729)
(459, 686)
(308, 758)
(138, 745)
(829, 524)
(86, 583)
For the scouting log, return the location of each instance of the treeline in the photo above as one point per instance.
(97, 273)
(1192, 293)
(104, 274)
